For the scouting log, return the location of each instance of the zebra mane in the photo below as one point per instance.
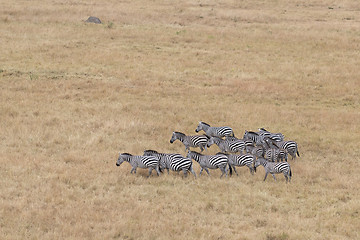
(180, 133)
(263, 129)
(221, 153)
(205, 124)
(150, 151)
(251, 132)
(127, 154)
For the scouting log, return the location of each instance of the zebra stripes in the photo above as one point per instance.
(214, 131)
(242, 160)
(150, 162)
(275, 168)
(210, 162)
(226, 145)
(290, 146)
(190, 141)
(175, 162)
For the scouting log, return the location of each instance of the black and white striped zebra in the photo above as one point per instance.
(150, 162)
(211, 162)
(272, 152)
(242, 160)
(255, 137)
(227, 146)
(273, 136)
(275, 168)
(190, 141)
(214, 131)
(173, 161)
(249, 144)
(290, 146)
(275, 154)
(257, 151)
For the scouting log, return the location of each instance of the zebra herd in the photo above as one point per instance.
(255, 148)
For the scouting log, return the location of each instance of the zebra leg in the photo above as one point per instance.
(150, 171)
(185, 172)
(207, 171)
(235, 170)
(266, 175)
(192, 171)
(201, 147)
(201, 171)
(224, 171)
(273, 176)
(158, 171)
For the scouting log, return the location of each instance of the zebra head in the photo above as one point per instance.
(259, 161)
(122, 157)
(202, 126)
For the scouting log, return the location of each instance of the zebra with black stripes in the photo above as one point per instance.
(211, 162)
(290, 146)
(149, 162)
(278, 137)
(249, 144)
(242, 160)
(190, 141)
(255, 137)
(173, 161)
(275, 168)
(227, 146)
(214, 131)
(273, 152)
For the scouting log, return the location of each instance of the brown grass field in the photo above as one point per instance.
(75, 94)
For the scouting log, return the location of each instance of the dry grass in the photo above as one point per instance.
(74, 94)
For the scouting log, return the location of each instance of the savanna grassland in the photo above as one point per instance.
(75, 94)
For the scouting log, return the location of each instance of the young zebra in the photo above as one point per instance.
(211, 161)
(190, 141)
(242, 160)
(226, 145)
(175, 162)
(214, 131)
(273, 152)
(150, 162)
(275, 168)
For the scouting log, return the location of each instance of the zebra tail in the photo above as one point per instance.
(230, 168)
(297, 152)
(290, 173)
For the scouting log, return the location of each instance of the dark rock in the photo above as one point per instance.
(93, 20)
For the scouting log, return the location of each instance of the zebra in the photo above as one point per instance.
(227, 146)
(278, 137)
(190, 141)
(150, 162)
(242, 160)
(290, 146)
(257, 151)
(211, 162)
(249, 143)
(273, 153)
(214, 131)
(275, 168)
(253, 136)
(173, 161)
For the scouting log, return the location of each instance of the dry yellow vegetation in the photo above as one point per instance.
(74, 95)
